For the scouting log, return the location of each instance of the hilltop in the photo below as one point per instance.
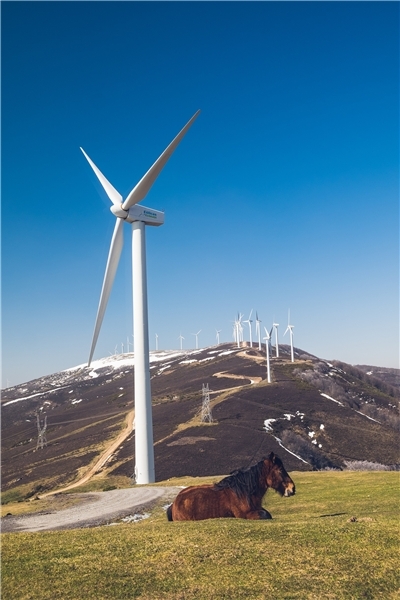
(315, 414)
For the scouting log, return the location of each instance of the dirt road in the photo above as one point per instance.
(95, 508)
(104, 456)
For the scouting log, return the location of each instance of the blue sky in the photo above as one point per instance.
(283, 194)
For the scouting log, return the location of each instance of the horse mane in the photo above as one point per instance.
(244, 482)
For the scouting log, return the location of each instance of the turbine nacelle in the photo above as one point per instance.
(138, 212)
(149, 216)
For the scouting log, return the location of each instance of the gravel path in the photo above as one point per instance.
(95, 508)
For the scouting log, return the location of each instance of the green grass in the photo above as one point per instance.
(310, 550)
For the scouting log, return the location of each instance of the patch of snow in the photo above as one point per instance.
(333, 399)
(186, 362)
(311, 434)
(33, 396)
(319, 445)
(322, 426)
(290, 452)
(226, 352)
(267, 424)
(369, 372)
(213, 352)
(164, 355)
(288, 416)
(370, 418)
(208, 358)
(76, 401)
(314, 442)
(24, 398)
(93, 374)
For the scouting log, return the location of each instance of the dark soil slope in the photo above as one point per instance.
(314, 414)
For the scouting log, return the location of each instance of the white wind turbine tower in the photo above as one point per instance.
(217, 336)
(130, 211)
(181, 338)
(275, 326)
(267, 339)
(290, 329)
(197, 338)
(238, 329)
(249, 321)
(156, 342)
(258, 330)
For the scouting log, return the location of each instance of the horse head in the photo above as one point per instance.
(277, 478)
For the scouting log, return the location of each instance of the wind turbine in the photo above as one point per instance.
(290, 329)
(258, 330)
(197, 338)
(156, 342)
(267, 339)
(217, 336)
(238, 329)
(138, 215)
(249, 321)
(181, 338)
(275, 326)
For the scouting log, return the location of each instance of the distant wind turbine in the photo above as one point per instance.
(267, 339)
(275, 326)
(181, 338)
(258, 330)
(249, 321)
(236, 331)
(290, 329)
(217, 336)
(197, 338)
(156, 341)
(138, 215)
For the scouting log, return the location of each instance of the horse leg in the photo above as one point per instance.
(169, 513)
(246, 510)
(258, 514)
(255, 514)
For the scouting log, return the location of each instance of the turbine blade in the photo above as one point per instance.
(111, 268)
(141, 189)
(110, 190)
(287, 329)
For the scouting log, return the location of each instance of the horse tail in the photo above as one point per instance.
(169, 513)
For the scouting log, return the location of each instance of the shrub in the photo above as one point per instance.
(365, 465)
(307, 451)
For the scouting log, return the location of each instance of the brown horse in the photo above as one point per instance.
(238, 495)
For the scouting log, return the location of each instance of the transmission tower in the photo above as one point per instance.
(206, 416)
(42, 440)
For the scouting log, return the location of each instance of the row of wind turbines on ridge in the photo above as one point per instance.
(238, 335)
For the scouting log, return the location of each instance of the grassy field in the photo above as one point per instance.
(337, 538)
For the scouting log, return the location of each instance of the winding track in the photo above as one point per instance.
(104, 456)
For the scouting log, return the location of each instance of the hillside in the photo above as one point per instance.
(314, 414)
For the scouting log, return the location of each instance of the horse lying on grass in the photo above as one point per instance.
(238, 495)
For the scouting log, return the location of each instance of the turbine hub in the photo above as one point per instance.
(118, 211)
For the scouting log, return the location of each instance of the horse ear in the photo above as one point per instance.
(272, 457)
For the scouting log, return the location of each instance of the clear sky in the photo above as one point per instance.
(283, 194)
